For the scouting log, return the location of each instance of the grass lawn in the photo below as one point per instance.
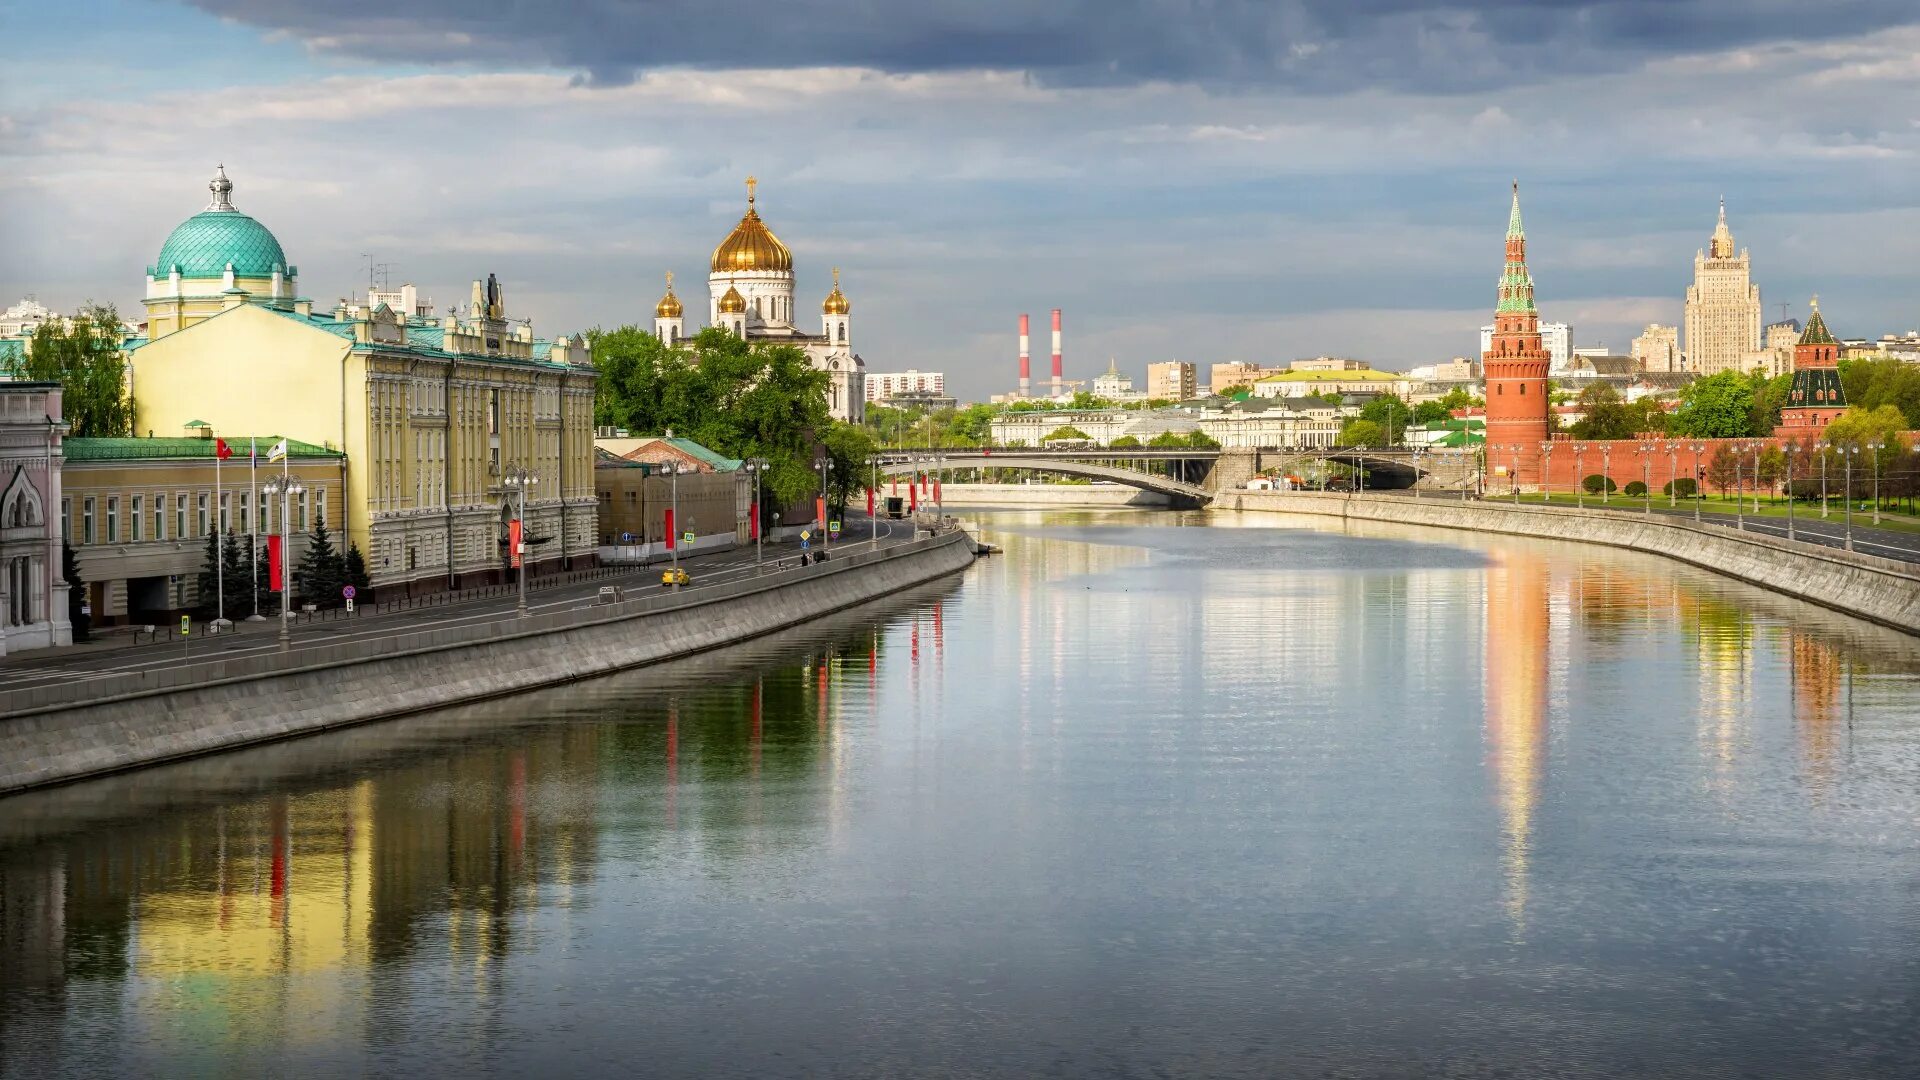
(1720, 504)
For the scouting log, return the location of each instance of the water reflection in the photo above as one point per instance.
(1516, 695)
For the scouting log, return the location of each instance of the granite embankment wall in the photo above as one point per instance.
(1884, 591)
(1048, 495)
(72, 730)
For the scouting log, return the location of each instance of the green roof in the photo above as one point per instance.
(203, 245)
(1363, 374)
(719, 461)
(1816, 332)
(186, 448)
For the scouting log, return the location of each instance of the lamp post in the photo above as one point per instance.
(1876, 447)
(1546, 471)
(1821, 448)
(1699, 481)
(517, 480)
(1790, 450)
(287, 488)
(1756, 447)
(1579, 481)
(822, 467)
(1846, 457)
(1646, 478)
(673, 470)
(873, 516)
(1513, 471)
(1673, 474)
(1416, 470)
(1739, 489)
(756, 472)
(1606, 472)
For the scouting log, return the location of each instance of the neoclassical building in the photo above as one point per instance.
(33, 590)
(432, 413)
(750, 293)
(1723, 306)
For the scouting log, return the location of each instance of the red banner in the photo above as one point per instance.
(896, 485)
(273, 563)
(753, 520)
(869, 502)
(936, 489)
(672, 542)
(913, 497)
(820, 512)
(513, 543)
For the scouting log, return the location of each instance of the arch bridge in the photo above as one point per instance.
(1071, 464)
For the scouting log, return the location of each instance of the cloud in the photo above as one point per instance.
(1312, 45)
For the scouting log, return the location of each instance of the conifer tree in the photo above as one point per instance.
(239, 601)
(207, 586)
(321, 568)
(76, 592)
(354, 572)
(269, 600)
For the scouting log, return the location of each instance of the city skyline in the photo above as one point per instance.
(1259, 212)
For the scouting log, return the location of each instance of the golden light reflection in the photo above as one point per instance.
(1817, 678)
(1517, 626)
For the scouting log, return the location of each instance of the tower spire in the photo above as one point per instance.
(222, 188)
(1722, 244)
(1514, 230)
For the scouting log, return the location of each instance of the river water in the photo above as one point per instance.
(1148, 794)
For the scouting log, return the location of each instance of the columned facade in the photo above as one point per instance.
(1516, 366)
(33, 589)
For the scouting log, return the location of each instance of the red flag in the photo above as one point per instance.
(221, 450)
(671, 543)
(513, 542)
(936, 489)
(273, 563)
(913, 497)
(753, 520)
(820, 510)
(869, 502)
(896, 485)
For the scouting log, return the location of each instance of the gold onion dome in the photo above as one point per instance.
(836, 301)
(751, 245)
(669, 305)
(732, 303)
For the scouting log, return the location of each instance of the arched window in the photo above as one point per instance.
(843, 333)
(1523, 389)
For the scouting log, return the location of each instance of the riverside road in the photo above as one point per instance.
(115, 656)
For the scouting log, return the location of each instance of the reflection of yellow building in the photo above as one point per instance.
(1816, 695)
(1516, 702)
(432, 413)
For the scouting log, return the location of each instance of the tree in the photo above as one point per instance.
(269, 600)
(1769, 397)
(319, 576)
(233, 560)
(85, 359)
(76, 592)
(1389, 414)
(1771, 466)
(1604, 414)
(1647, 415)
(1870, 384)
(207, 586)
(1716, 407)
(1200, 440)
(1723, 469)
(1065, 432)
(1683, 486)
(1597, 483)
(354, 570)
(1361, 432)
(1858, 430)
(1635, 489)
(850, 451)
(1125, 442)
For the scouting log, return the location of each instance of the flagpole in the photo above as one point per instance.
(219, 545)
(253, 517)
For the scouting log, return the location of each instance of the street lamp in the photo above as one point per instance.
(1876, 448)
(756, 472)
(1791, 449)
(1821, 448)
(287, 488)
(1739, 489)
(1673, 473)
(673, 469)
(517, 480)
(1846, 457)
(1699, 481)
(1646, 477)
(1756, 447)
(1606, 472)
(1579, 481)
(1513, 473)
(1546, 471)
(823, 466)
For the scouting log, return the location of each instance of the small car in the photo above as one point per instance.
(674, 577)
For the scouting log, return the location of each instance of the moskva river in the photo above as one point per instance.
(1150, 794)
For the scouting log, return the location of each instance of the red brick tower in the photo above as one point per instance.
(1816, 398)
(1516, 365)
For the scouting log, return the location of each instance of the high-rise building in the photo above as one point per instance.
(1555, 337)
(1516, 366)
(887, 385)
(1171, 380)
(1223, 377)
(1723, 306)
(1657, 349)
(1817, 398)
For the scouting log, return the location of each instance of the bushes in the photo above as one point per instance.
(1686, 487)
(1636, 489)
(1597, 483)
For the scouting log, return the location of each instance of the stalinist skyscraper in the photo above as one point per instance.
(1723, 306)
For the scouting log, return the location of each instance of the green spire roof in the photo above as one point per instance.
(1816, 331)
(1516, 285)
(204, 244)
(1514, 231)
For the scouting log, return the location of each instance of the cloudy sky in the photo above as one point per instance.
(1201, 179)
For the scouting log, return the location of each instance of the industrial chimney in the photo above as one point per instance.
(1026, 364)
(1056, 352)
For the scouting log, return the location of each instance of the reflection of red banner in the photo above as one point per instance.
(753, 521)
(513, 543)
(672, 541)
(936, 489)
(273, 563)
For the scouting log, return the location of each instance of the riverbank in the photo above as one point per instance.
(69, 731)
(1880, 590)
(1021, 495)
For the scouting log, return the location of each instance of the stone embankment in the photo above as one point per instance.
(1049, 495)
(72, 730)
(1884, 591)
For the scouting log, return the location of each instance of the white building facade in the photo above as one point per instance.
(1555, 337)
(33, 588)
(887, 385)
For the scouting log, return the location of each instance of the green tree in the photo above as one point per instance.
(1683, 486)
(1604, 414)
(1389, 414)
(1769, 396)
(319, 575)
(76, 592)
(207, 585)
(1200, 440)
(1062, 434)
(1168, 440)
(1598, 482)
(1647, 415)
(353, 570)
(974, 424)
(1859, 430)
(1716, 407)
(1723, 468)
(1125, 442)
(86, 360)
(850, 451)
(269, 600)
(239, 592)
(1871, 383)
(1358, 431)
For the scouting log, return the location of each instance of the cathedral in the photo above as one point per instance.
(750, 294)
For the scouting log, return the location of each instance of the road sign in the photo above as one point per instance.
(186, 624)
(348, 592)
(833, 528)
(349, 603)
(687, 537)
(803, 542)
(805, 535)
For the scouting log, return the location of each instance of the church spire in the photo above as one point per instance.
(1722, 244)
(1514, 231)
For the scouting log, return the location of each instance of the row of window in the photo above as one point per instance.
(179, 515)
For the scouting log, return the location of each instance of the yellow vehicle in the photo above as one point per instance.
(674, 577)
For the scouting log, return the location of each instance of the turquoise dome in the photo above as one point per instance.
(205, 243)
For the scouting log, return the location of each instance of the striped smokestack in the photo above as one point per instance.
(1056, 352)
(1026, 363)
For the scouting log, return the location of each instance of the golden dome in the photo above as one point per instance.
(836, 301)
(732, 303)
(751, 245)
(669, 305)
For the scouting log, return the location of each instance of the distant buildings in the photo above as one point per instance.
(1555, 337)
(884, 386)
(1331, 375)
(1171, 380)
(1222, 377)
(1112, 385)
(1723, 306)
(1816, 398)
(1657, 349)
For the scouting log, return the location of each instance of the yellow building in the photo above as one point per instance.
(432, 414)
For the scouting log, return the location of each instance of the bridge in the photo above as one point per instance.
(1182, 493)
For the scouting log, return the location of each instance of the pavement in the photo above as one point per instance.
(115, 653)
(1810, 528)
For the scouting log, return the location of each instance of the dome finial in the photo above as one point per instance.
(751, 184)
(222, 188)
(1816, 303)
(669, 281)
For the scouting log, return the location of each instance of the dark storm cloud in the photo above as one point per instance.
(1314, 45)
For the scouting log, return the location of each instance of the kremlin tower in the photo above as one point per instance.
(1516, 365)
(1816, 398)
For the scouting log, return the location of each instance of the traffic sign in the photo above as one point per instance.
(348, 592)
(687, 537)
(349, 603)
(186, 624)
(805, 535)
(833, 528)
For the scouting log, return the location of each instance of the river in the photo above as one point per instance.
(1150, 793)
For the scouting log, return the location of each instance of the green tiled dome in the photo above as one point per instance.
(205, 243)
